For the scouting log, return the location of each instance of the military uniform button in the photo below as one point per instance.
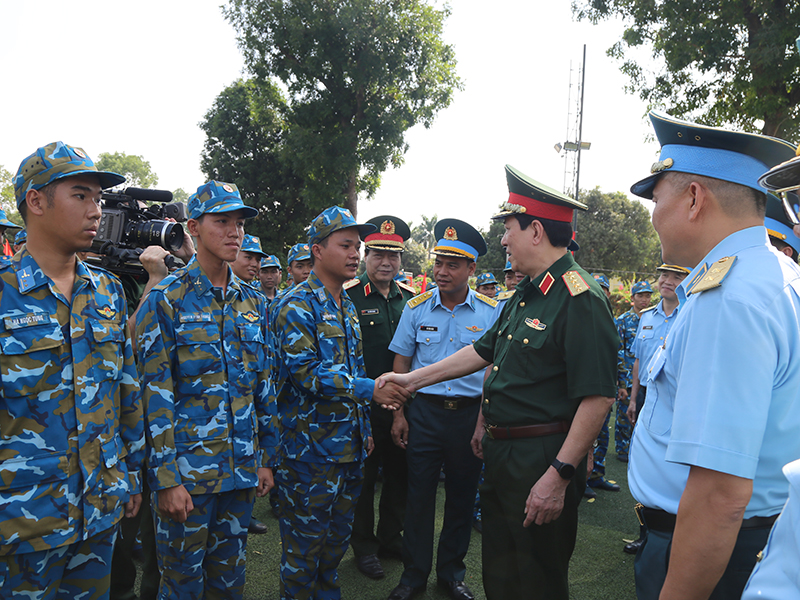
(451, 339)
(525, 341)
(509, 336)
(372, 322)
(427, 339)
(486, 401)
(522, 304)
(495, 368)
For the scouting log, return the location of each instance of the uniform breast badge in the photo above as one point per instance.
(535, 324)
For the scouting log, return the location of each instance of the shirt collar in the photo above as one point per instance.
(203, 284)
(730, 246)
(370, 288)
(554, 271)
(30, 276)
(469, 301)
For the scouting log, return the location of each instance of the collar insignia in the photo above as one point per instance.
(535, 324)
(546, 283)
(25, 279)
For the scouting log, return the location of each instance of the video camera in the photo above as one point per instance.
(126, 229)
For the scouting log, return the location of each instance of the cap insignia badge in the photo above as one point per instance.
(450, 234)
(387, 228)
(662, 165)
(79, 153)
(227, 188)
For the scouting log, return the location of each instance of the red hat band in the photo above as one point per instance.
(536, 208)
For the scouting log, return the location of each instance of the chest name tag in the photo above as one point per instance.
(195, 318)
(28, 320)
(428, 328)
(535, 324)
(647, 327)
(370, 311)
(328, 317)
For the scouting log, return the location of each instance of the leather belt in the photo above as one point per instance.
(526, 431)
(450, 403)
(659, 520)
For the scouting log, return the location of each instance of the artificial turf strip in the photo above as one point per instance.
(600, 570)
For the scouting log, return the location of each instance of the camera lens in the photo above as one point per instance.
(157, 233)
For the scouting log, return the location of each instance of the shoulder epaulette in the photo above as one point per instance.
(505, 295)
(404, 286)
(644, 310)
(352, 283)
(417, 300)
(575, 283)
(714, 276)
(490, 301)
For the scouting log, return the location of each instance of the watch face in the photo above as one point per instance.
(566, 471)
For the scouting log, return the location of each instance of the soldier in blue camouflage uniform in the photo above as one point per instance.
(19, 240)
(627, 323)
(211, 428)
(323, 403)
(70, 413)
(270, 277)
(299, 261)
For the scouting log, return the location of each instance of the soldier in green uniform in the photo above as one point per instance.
(553, 379)
(379, 302)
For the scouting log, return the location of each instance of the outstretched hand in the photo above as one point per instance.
(389, 394)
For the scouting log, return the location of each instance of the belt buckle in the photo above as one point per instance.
(638, 508)
(451, 404)
(489, 429)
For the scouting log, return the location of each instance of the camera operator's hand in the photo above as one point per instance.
(152, 259)
(186, 251)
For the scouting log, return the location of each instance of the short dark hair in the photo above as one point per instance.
(558, 232)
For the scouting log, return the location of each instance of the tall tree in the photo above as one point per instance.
(423, 233)
(494, 260)
(722, 63)
(136, 170)
(359, 73)
(616, 234)
(7, 199)
(246, 145)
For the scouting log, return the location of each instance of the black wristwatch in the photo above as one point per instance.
(566, 470)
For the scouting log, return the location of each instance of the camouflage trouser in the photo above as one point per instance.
(623, 428)
(79, 570)
(599, 454)
(317, 505)
(204, 558)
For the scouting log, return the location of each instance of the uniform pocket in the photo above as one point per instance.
(30, 360)
(656, 414)
(427, 342)
(108, 341)
(198, 349)
(251, 342)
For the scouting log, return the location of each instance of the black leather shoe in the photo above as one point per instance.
(370, 566)
(256, 526)
(456, 589)
(602, 484)
(589, 493)
(633, 547)
(404, 592)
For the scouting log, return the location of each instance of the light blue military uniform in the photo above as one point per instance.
(654, 325)
(776, 576)
(440, 429)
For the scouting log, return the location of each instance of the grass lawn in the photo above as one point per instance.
(600, 570)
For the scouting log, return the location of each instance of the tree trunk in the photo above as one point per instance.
(351, 201)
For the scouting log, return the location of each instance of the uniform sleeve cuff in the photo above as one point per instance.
(364, 388)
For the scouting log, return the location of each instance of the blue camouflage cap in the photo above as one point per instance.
(732, 156)
(270, 261)
(218, 197)
(56, 161)
(333, 219)
(4, 222)
(251, 243)
(508, 268)
(485, 279)
(21, 237)
(298, 252)
(602, 280)
(641, 287)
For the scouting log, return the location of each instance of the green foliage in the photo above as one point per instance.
(180, 195)
(415, 259)
(359, 73)
(134, 168)
(246, 144)
(7, 198)
(423, 233)
(721, 63)
(615, 234)
(495, 258)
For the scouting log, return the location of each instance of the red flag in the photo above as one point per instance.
(424, 282)
(7, 250)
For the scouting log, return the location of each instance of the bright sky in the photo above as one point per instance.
(138, 77)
